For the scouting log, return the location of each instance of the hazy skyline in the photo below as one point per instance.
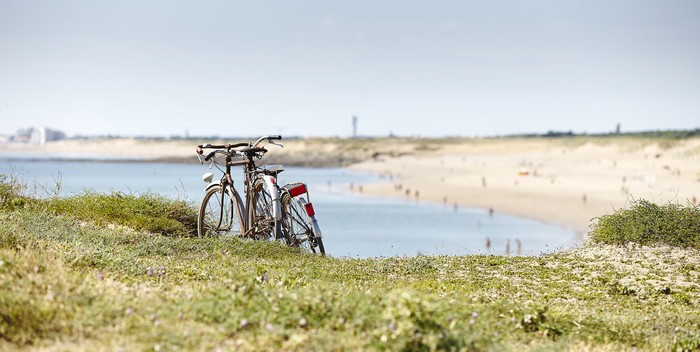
(306, 67)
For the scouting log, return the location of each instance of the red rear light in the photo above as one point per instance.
(309, 209)
(297, 190)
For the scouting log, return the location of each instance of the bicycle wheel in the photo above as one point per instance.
(301, 228)
(262, 224)
(220, 213)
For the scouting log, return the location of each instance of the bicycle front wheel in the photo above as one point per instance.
(300, 228)
(220, 213)
(261, 220)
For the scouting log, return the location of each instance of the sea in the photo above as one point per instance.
(354, 225)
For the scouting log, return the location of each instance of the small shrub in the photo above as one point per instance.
(11, 196)
(647, 223)
(147, 212)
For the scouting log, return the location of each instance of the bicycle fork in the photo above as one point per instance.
(222, 191)
(273, 190)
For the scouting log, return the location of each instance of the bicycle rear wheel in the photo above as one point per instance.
(220, 213)
(301, 229)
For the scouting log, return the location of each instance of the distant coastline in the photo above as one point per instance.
(298, 161)
(564, 180)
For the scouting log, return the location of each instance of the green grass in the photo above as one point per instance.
(147, 212)
(647, 223)
(68, 282)
(144, 212)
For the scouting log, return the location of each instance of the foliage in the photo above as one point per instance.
(647, 223)
(81, 285)
(11, 193)
(67, 285)
(147, 212)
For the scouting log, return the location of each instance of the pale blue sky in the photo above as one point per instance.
(427, 68)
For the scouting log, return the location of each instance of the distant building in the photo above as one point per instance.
(39, 135)
(354, 127)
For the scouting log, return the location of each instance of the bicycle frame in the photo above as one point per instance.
(251, 173)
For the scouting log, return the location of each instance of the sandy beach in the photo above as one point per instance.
(564, 181)
(560, 181)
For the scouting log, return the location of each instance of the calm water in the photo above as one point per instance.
(353, 225)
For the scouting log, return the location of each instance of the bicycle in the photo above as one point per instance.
(270, 212)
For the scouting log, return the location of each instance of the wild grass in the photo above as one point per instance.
(147, 212)
(648, 223)
(70, 284)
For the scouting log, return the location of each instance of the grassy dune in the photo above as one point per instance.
(72, 279)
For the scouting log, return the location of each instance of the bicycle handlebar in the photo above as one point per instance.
(251, 147)
(220, 146)
(209, 156)
(269, 139)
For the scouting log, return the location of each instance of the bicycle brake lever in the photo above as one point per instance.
(200, 159)
(271, 142)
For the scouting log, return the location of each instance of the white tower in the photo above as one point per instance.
(354, 127)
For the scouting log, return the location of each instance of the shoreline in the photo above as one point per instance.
(565, 182)
(545, 180)
(579, 232)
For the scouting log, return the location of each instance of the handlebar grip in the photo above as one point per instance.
(277, 137)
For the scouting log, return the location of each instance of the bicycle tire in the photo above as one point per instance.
(299, 226)
(220, 213)
(261, 221)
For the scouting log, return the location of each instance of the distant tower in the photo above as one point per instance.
(354, 127)
(617, 129)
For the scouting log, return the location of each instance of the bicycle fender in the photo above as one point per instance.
(213, 184)
(314, 222)
(274, 195)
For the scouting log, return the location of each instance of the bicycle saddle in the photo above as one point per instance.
(272, 168)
